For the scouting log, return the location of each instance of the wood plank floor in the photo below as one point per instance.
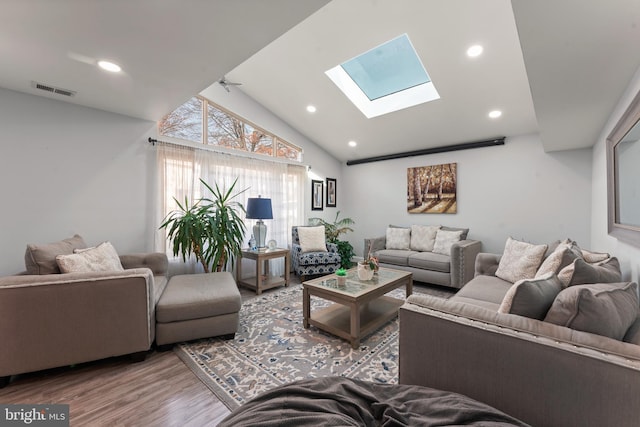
(160, 391)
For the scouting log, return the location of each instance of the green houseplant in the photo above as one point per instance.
(332, 232)
(211, 228)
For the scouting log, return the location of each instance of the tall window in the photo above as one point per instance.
(223, 129)
(181, 167)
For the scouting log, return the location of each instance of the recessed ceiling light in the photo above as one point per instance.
(311, 108)
(495, 114)
(109, 66)
(352, 143)
(475, 50)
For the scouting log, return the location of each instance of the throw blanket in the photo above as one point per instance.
(339, 401)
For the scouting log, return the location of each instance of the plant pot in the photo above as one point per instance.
(342, 280)
(365, 272)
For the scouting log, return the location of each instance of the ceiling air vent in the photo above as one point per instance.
(53, 89)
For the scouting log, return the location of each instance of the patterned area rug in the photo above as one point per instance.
(272, 348)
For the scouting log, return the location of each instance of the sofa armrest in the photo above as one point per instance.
(486, 264)
(63, 319)
(156, 261)
(374, 244)
(463, 257)
(509, 361)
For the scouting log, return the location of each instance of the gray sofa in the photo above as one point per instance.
(453, 268)
(537, 371)
(53, 319)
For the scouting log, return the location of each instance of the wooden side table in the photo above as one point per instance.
(262, 280)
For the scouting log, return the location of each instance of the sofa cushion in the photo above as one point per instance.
(101, 258)
(633, 333)
(41, 258)
(607, 309)
(531, 297)
(520, 260)
(444, 240)
(430, 261)
(580, 272)
(394, 256)
(484, 288)
(312, 239)
(398, 238)
(318, 258)
(463, 236)
(423, 237)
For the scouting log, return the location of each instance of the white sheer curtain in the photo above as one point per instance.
(181, 167)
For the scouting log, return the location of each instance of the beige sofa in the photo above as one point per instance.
(53, 319)
(413, 250)
(537, 371)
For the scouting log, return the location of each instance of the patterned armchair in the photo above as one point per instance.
(312, 263)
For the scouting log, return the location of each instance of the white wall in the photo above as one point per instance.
(66, 169)
(628, 255)
(513, 190)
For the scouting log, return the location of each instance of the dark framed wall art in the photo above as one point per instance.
(331, 192)
(316, 195)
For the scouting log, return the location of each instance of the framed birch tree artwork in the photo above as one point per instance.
(432, 189)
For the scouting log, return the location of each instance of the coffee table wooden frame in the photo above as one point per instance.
(355, 314)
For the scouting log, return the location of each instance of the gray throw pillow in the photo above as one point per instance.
(531, 297)
(580, 272)
(606, 309)
(41, 258)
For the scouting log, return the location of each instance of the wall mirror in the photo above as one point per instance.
(623, 176)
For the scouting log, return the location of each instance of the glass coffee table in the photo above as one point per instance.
(360, 306)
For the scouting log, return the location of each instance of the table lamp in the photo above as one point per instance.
(259, 208)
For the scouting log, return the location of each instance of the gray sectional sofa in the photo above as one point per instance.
(52, 319)
(416, 249)
(550, 352)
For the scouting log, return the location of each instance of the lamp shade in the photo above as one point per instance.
(259, 208)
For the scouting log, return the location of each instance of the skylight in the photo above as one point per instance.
(387, 78)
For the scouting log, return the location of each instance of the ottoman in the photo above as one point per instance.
(195, 306)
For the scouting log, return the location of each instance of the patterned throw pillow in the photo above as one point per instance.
(101, 258)
(423, 237)
(444, 240)
(606, 309)
(563, 255)
(398, 238)
(520, 260)
(312, 239)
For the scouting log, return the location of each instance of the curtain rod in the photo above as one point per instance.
(435, 150)
(238, 153)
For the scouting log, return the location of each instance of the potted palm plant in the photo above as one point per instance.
(211, 229)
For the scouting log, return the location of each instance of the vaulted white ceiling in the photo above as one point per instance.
(554, 67)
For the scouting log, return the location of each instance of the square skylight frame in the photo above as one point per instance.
(409, 97)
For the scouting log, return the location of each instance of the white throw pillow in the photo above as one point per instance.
(423, 237)
(101, 258)
(398, 238)
(444, 240)
(312, 239)
(520, 260)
